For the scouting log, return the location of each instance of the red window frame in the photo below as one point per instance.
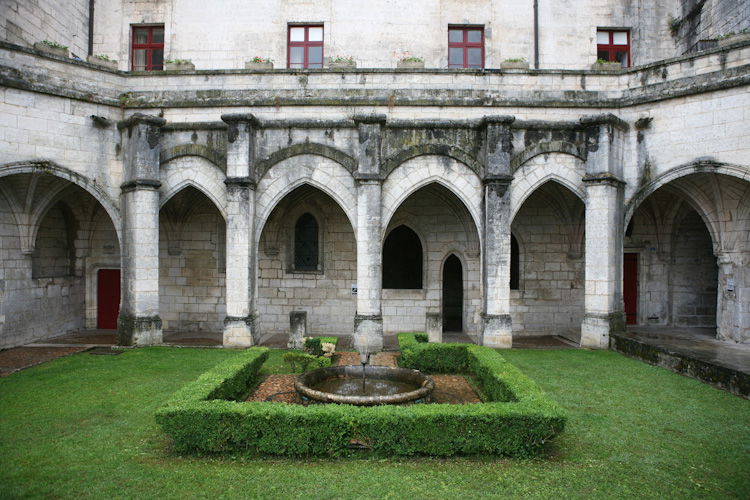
(306, 44)
(465, 44)
(149, 46)
(611, 48)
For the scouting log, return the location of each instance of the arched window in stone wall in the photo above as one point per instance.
(402, 259)
(306, 241)
(514, 264)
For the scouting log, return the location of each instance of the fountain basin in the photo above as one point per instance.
(382, 385)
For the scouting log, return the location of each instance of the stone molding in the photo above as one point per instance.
(503, 180)
(604, 119)
(371, 119)
(139, 118)
(135, 184)
(240, 182)
(603, 178)
(248, 320)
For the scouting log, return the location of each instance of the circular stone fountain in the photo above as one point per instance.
(364, 385)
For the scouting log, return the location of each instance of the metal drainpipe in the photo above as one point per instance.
(536, 34)
(91, 27)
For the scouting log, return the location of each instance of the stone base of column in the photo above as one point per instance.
(368, 333)
(297, 329)
(240, 331)
(497, 330)
(139, 330)
(434, 327)
(596, 328)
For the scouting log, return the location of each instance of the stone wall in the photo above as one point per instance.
(549, 231)
(326, 294)
(26, 22)
(445, 227)
(699, 20)
(212, 39)
(192, 264)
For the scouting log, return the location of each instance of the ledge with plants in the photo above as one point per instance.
(53, 48)
(179, 65)
(258, 62)
(102, 60)
(410, 62)
(208, 415)
(342, 62)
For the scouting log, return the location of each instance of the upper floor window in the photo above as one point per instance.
(147, 52)
(613, 46)
(465, 47)
(305, 46)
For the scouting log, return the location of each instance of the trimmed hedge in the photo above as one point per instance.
(517, 421)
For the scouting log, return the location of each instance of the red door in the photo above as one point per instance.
(630, 288)
(107, 298)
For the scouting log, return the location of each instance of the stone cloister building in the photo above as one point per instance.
(507, 187)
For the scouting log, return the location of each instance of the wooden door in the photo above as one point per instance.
(630, 288)
(107, 298)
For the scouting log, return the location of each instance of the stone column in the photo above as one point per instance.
(603, 304)
(139, 322)
(733, 297)
(368, 322)
(240, 324)
(496, 321)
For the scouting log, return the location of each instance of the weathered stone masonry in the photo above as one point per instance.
(194, 196)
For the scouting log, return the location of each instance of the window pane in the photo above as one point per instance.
(622, 57)
(456, 57)
(474, 36)
(139, 60)
(157, 58)
(602, 37)
(314, 56)
(157, 35)
(602, 54)
(297, 34)
(140, 35)
(455, 36)
(315, 34)
(620, 38)
(296, 57)
(475, 57)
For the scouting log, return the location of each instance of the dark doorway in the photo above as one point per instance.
(630, 288)
(453, 295)
(402, 259)
(107, 298)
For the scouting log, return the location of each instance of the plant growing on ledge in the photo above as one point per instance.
(178, 61)
(516, 60)
(102, 57)
(257, 59)
(55, 45)
(412, 59)
(343, 60)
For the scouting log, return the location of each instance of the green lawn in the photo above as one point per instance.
(83, 426)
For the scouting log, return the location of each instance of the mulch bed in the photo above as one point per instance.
(454, 389)
(18, 358)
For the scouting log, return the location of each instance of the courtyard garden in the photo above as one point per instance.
(86, 426)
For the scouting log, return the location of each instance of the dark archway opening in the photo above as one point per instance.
(402, 259)
(453, 295)
(306, 243)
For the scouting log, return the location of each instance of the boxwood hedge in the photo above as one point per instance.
(518, 418)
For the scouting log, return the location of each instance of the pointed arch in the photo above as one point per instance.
(183, 171)
(46, 167)
(547, 147)
(328, 176)
(565, 169)
(446, 150)
(421, 171)
(306, 148)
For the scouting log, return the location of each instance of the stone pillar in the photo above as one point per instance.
(496, 321)
(603, 304)
(139, 322)
(434, 327)
(733, 297)
(240, 324)
(297, 329)
(368, 322)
